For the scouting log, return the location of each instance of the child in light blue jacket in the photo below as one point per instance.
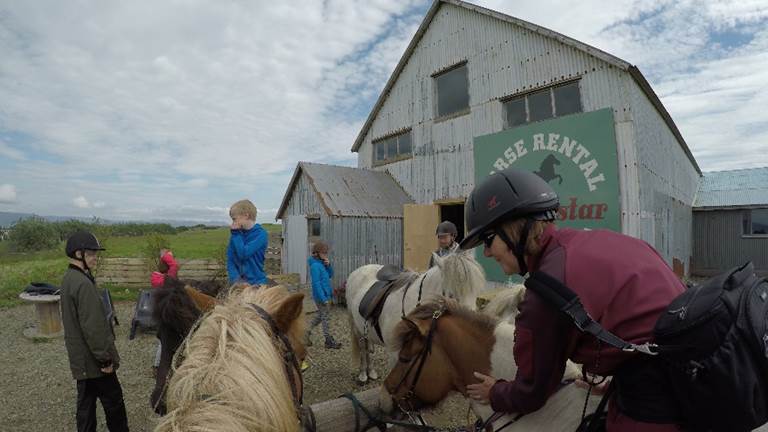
(321, 272)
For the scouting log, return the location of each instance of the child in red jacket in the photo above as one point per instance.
(166, 267)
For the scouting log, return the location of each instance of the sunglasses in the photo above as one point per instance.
(487, 238)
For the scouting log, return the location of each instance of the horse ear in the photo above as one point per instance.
(437, 259)
(203, 302)
(289, 311)
(417, 326)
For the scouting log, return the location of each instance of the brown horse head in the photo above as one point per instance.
(440, 344)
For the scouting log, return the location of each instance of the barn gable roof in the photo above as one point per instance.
(346, 191)
(595, 52)
(736, 188)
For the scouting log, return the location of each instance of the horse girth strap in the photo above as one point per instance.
(289, 358)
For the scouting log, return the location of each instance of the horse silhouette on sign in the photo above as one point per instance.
(547, 169)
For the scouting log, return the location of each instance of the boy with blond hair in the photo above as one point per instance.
(247, 245)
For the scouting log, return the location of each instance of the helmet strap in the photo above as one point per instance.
(518, 249)
(82, 260)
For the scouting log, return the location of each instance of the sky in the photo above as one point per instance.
(148, 110)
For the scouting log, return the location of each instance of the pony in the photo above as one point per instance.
(239, 366)
(177, 306)
(457, 275)
(547, 169)
(436, 357)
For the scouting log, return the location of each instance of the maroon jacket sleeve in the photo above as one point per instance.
(541, 348)
(173, 266)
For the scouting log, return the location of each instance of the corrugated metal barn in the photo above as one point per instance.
(730, 221)
(471, 72)
(358, 212)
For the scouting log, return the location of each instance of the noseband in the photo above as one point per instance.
(290, 362)
(420, 359)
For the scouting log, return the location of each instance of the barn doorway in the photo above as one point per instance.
(454, 212)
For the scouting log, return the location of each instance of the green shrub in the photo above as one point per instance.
(33, 234)
(150, 250)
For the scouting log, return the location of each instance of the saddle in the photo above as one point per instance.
(388, 279)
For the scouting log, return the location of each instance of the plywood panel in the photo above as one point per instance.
(419, 223)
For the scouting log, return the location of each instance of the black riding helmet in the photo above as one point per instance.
(446, 227)
(82, 240)
(505, 195)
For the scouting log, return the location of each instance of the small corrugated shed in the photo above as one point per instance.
(360, 213)
(722, 205)
(346, 191)
(736, 188)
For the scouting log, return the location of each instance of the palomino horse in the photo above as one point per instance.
(239, 368)
(458, 275)
(435, 358)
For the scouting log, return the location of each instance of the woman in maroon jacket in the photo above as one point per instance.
(622, 282)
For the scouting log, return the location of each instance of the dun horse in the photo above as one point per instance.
(441, 345)
(458, 275)
(239, 367)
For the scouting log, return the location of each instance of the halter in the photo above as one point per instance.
(420, 358)
(289, 358)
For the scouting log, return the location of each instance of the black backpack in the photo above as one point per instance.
(713, 343)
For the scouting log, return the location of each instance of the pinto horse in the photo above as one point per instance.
(441, 344)
(239, 368)
(458, 275)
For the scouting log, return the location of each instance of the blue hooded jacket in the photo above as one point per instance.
(321, 275)
(245, 255)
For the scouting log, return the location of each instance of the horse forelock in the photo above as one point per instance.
(425, 311)
(173, 308)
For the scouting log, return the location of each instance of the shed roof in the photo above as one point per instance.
(346, 191)
(633, 71)
(735, 188)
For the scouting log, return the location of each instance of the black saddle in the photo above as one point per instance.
(389, 278)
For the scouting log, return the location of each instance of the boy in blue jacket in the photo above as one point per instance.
(321, 272)
(247, 245)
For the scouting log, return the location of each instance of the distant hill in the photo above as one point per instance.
(8, 218)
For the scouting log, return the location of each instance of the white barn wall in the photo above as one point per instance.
(510, 60)
(669, 183)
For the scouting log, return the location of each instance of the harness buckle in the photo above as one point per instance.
(646, 348)
(436, 314)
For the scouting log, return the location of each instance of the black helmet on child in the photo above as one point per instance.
(505, 195)
(82, 240)
(446, 227)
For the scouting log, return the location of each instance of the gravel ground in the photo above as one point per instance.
(37, 392)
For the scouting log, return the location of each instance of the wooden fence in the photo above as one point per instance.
(135, 273)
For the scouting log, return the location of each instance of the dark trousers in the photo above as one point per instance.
(107, 389)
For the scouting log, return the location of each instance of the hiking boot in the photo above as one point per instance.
(332, 344)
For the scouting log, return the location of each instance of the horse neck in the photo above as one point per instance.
(466, 358)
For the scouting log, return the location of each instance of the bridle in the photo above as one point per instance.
(290, 362)
(419, 360)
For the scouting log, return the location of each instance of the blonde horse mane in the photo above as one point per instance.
(505, 305)
(462, 274)
(233, 377)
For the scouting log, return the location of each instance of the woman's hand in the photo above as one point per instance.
(481, 391)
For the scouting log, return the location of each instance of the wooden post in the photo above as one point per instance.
(47, 313)
(338, 415)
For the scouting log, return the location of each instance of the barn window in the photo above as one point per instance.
(555, 101)
(392, 148)
(756, 222)
(313, 227)
(452, 91)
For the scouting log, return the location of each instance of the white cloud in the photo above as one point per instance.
(81, 202)
(7, 193)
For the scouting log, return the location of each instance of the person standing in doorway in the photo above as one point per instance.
(446, 233)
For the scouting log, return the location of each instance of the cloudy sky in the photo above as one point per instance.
(175, 109)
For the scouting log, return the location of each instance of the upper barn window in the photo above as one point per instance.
(392, 148)
(452, 90)
(542, 104)
(755, 222)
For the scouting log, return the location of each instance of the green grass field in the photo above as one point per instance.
(18, 270)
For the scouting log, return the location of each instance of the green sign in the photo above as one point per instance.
(575, 154)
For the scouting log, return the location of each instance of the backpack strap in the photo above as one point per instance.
(565, 300)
